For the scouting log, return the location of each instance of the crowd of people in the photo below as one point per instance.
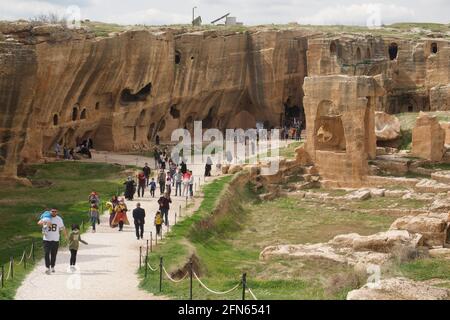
(82, 147)
(168, 175)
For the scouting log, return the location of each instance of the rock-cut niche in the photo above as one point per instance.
(328, 128)
(127, 96)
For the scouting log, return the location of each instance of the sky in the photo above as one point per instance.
(251, 12)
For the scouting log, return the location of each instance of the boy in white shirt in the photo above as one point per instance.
(51, 240)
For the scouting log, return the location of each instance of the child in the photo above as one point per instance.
(159, 220)
(152, 187)
(94, 216)
(74, 243)
(46, 221)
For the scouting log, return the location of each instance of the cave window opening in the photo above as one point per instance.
(83, 114)
(368, 54)
(55, 120)
(74, 113)
(333, 48)
(358, 54)
(174, 112)
(177, 57)
(134, 133)
(141, 95)
(393, 51)
(192, 58)
(97, 106)
(410, 108)
(434, 48)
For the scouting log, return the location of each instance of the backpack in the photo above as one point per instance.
(158, 219)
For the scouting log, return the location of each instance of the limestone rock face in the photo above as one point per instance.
(387, 127)
(398, 289)
(124, 90)
(433, 227)
(446, 127)
(428, 138)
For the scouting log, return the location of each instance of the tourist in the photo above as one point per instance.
(157, 140)
(178, 177)
(51, 240)
(139, 221)
(74, 243)
(110, 207)
(94, 198)
(114, 201)
(186, 178)
(130, 188)
(66, 153)
(168, 189)
(159, 220)
(183, 167)
(152, 187)
(57, 150)
(94, 216)
(208, 167)
(142, 181)
(191, 184)
(173, 170)
(162, 181)
(156, 156)
(164, 206)
(147, 171)
(120, 217)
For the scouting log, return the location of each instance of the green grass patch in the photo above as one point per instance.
(66, 186)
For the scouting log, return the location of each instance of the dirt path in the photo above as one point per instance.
(107, 266)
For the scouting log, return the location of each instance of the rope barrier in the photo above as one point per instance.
(31, 252)
(9, 271)
(173, 280)
(23, 257)
(152, 269)
(212, 291)
(251, 292)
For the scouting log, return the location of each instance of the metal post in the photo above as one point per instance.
(32, 250)
(244, 285)
(186, 199)
(147, 249)
(161, 234)
(25, 260)
(160, 273)
(12, 267)
(146, 266)
(190, 283)
(140, 257)
(3, 276)
(175, 218)
(179, 210)
(156, 240)
(151, 241)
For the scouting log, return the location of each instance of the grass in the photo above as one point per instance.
(228, 244)
(71, 183)
(436, 166)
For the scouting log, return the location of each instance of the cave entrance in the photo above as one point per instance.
(74, 113)
(293, 115)
(368, 54)
(393, 51)
(177, 57)
(328, 128)
(358, 55)
(333, 48)
(434, 48)
(55, 120)
(174, 112)
(127, 96)
(103, 136)
(83, 114)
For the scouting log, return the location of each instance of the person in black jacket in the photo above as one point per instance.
(147, 171)
(139, 221)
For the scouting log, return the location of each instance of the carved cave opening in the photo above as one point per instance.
(177, 57)
(174, 112)
(55, 120)
(358, 55)
(328, 128)
(434, 48)
(74, 113)
(333, 48)
(83, 114)
(127, 96)
(393, 51)
(151, 132)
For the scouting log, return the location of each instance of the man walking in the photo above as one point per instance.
(147, 171)
(139, 221)
(51, 239)
(178, 177)
(142, 183)
(162, 181)
(164, 206)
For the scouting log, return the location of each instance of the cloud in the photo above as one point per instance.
(360, 14)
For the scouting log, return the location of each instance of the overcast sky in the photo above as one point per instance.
(251, 12)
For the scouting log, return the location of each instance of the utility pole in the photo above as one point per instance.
(193, 15)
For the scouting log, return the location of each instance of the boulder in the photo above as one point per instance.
(387, 126)
(225, 169)
(428, 138)
(398, 289)
(362, 194)
(235, 168)
(47, 29)
(431, 186)
(440, 253)
(446, 127)
(377, 193)
(433, 227)
(441, 176)
(441, 205)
